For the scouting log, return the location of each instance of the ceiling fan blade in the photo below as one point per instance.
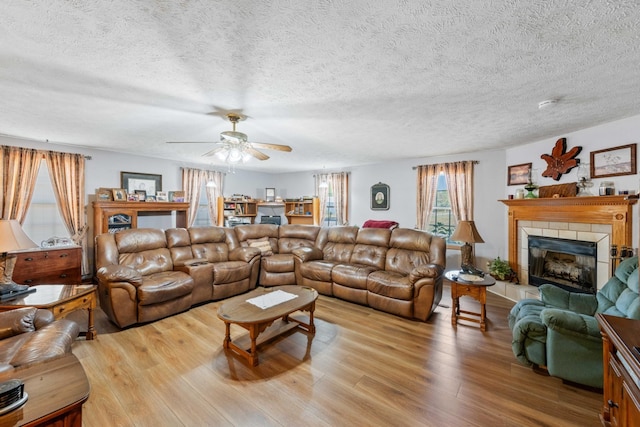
(257, 154)
(271, 146)
(190, 142)
(213, 152)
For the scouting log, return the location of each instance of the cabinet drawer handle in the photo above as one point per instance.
(28, 259)
(28, 281)
(64, 255)
(612, 404)
(63, 275)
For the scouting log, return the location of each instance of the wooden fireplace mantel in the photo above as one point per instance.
(612, 210)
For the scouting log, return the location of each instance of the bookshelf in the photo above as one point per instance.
(233, 212)
(304, 211)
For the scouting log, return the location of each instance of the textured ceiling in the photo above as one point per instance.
(343, 83)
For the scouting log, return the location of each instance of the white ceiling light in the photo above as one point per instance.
(547, 104)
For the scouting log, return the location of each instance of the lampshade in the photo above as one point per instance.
(466, 232)
(12, 238)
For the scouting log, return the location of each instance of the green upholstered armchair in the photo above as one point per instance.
(559, 331)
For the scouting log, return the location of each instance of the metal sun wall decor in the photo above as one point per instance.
(559, 161)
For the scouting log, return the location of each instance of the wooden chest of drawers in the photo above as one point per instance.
(49, 266)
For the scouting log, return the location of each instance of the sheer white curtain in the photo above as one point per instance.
(323, 194)
(191, 185)
(340, 187)
(213, 189)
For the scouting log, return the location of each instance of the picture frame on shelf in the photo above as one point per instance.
(142, 195)
(148, 182)
(176, 196)
(270, 194)
(150, 198)
(104, 194)
(615, 161)
(161, 196)
(133, 197)
(119, 194)
(380, 197)
(518, 174)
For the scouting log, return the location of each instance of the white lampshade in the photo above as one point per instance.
(12, 238)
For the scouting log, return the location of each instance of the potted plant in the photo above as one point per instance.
(501, 270)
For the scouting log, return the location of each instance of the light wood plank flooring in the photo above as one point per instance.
(362, 368)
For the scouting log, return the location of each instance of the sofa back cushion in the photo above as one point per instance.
(179, 244)
(339, 243)
(246, 234)
(209, 243)
(410, 248)
(144, 250)
(619, 296)
(292, 236)
(371, 247)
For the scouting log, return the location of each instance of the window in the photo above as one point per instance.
(441, 221)
(43, 218)
(330, 217)
(202, 215)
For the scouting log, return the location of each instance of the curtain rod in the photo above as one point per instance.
(475, 162)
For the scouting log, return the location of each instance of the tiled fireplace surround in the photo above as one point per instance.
(605, 220)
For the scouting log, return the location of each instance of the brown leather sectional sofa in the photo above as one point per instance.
(31, 335)
(147, 274)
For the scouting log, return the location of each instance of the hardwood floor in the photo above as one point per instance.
(363, 367)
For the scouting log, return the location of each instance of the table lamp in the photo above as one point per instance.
(466, 232)
(12, 238)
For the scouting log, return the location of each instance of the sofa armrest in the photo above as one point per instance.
(425, 271)
(21, 320)
(570, 323)
(246, 254)
(554, 296)
(119, 273)
(308, 254)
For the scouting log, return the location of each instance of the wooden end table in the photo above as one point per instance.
(60, 300)
(57, 389)
(474, 289)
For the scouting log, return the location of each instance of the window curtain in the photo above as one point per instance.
(213, 189)
(427, 186)
(459, 177)
(67, 174)
(323, 194)
(340, 186)
(192, 180)
(19, 171)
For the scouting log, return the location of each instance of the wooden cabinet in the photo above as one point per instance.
(306, 211)
(110, 217)
(234, 212)
(60, 265)
(621, 364)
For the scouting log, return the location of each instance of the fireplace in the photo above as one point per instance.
(570, 264)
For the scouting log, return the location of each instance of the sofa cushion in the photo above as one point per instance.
(262, 244)
(278, 263)
(317, 270)
(390, 284)
(293, 236)
(371, 247)
(230, 272)
(165, 286)
(148, 262)
(351, 275)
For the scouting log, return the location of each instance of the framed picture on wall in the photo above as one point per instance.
(614, 161)
(518, 174)
(270, 194)
(132, 181)
(380, 197)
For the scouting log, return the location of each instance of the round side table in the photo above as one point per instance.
(474, 289)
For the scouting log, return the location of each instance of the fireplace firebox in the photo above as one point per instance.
(570, 264)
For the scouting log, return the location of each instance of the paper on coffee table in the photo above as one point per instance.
(270, 299)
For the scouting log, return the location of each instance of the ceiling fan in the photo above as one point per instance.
(234, 147)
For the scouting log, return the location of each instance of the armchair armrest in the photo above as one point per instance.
(21, 320)
(425, 271)
(245, 254)
(119, 273)
(571, 323)
(554, 296)
(308, 254)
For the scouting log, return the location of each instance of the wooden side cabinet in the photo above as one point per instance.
(305, 211)
(55, 265)
(621, 364)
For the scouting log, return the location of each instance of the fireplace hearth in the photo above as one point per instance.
(570, 264)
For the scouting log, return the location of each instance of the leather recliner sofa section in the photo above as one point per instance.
(397, 271)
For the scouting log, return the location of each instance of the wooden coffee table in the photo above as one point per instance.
(259, 321)
(474, 289)
(60, 300)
